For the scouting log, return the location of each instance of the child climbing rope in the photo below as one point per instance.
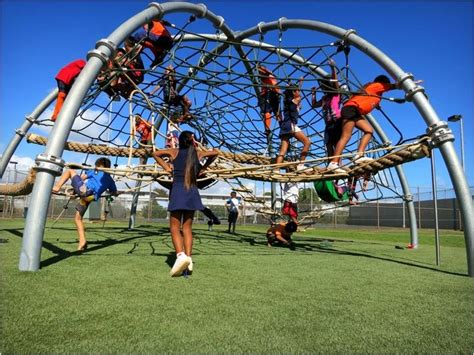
(89, 187)
(352, 115)
(170, 94)
(269, 97)
(144, 128)
(330, 104)
(65, 79)
(124, 83)
(154, 36)
(288, 125)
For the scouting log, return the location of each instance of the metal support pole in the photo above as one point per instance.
(435, 207)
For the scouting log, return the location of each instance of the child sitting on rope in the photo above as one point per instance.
(288, 125)
(65, 78)
(154, 36)
(170, 94)
(352, 115)
(280, 234)
(89, 187)
(144, 128)
(330, 104)
(269, 97)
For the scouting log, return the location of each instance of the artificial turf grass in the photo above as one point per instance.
(243, 296)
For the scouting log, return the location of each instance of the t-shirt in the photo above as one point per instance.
(331, 108)
(99, 182)
(69, 73)
(279, 229)
(233, 204)
(366, 104)
(290, 192)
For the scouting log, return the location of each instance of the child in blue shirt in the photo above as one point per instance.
(89, 187)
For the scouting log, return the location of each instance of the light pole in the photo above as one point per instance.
(455, 118)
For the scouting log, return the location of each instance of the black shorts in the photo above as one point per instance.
(233, 217)
(63, 87)
(333, 132)
(350, 113)
(270, 102)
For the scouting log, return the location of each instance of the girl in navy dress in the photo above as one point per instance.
(184, 197)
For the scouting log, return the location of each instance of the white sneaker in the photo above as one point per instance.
(300, 167)
(181, 263)
(362, 160)
(334, 168)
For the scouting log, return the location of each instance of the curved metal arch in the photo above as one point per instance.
(49, 165)
(321, 72)
(438, 129)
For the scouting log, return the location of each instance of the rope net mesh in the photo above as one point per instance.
(221, 80)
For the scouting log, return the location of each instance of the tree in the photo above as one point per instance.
(153, 209)
(160, 192)
(307, 195)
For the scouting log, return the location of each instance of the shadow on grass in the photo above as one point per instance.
(62, 254)
(201, 237)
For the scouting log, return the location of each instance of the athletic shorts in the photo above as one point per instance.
(63, 87)
(288, 129)
(233, 217)
(270, 102)
(333, 132)
(82, 205)
(80, 188)
(290, 209)
(350, 113)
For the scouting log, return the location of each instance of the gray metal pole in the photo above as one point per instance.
(49, 164)
(407, 196)
(462, 145)
(435, 206)
(25, 127)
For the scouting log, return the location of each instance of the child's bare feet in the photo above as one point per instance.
(56, 189)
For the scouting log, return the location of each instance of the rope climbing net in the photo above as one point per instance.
(223, 86)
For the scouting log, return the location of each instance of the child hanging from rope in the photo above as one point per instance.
(330, 103)
(154, 36)
(288, 125)
(269, 97)
(184, 198)
(144, 128)
(170, 94)
(89, 187)
(352, 115)
(280, 234)
(65, 79)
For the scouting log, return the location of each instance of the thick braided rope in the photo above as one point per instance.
(137, 152)
(22, 188)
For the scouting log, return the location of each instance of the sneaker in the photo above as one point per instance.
(300, 167)
(334, 168)
(181, 263)
(359, 159)
(190, 266)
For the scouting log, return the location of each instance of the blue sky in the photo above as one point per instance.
(431, 39)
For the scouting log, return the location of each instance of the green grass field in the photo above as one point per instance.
(340, 291)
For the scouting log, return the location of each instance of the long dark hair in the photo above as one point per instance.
(289, 94)
(186, 141)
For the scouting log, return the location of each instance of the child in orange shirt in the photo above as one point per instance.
(352, 116)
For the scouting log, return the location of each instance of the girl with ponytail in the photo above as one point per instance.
(184, 198)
